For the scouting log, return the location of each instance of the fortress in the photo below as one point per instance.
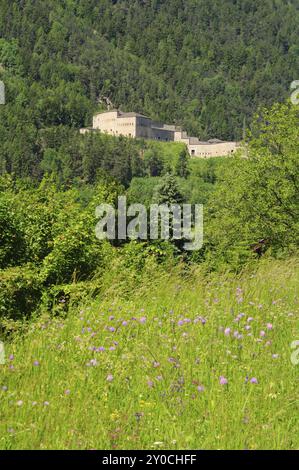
(116, 122)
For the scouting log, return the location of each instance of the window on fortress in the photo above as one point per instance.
(192, 152)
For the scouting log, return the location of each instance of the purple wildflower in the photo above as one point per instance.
(223, 380)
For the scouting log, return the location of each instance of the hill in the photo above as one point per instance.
(204, 65)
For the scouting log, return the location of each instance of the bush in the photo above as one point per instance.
(20, 291)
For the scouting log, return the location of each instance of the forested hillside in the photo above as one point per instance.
(204, 65)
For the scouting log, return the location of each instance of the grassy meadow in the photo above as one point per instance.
(183, 360)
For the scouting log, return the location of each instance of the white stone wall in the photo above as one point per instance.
(220, 149)
(113, 124)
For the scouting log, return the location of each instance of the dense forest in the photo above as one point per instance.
(204, 65)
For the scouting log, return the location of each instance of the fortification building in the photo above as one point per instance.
(138, 126)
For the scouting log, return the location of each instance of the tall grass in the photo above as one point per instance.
(149, 369)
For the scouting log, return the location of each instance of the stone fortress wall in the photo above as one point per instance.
(116, 122)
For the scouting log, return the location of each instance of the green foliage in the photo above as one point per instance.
(262, 202)
(153, 162)
(182, 169)
(168, 191)
(20, 292)
(11, 237)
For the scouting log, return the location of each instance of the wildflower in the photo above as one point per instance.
(124, 323)
(159, 377)
(142, 320)
(11, 357)
(20, 403)
(156, 364)
(4, 388)
(247, 327)
(269, 326)
(111, 317)
(200, 388)
(227, 331)
(109, 378)
(262, 333)
(67, 392)
(34, 403)
(150, 383)
(112, 348)
(250, 319)
(254, 380)
(275, 356)
(223, 380)
(112, 329)
(92, 362)
(180, 322)
(46, 403)
(101, 349)
(36, 363)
